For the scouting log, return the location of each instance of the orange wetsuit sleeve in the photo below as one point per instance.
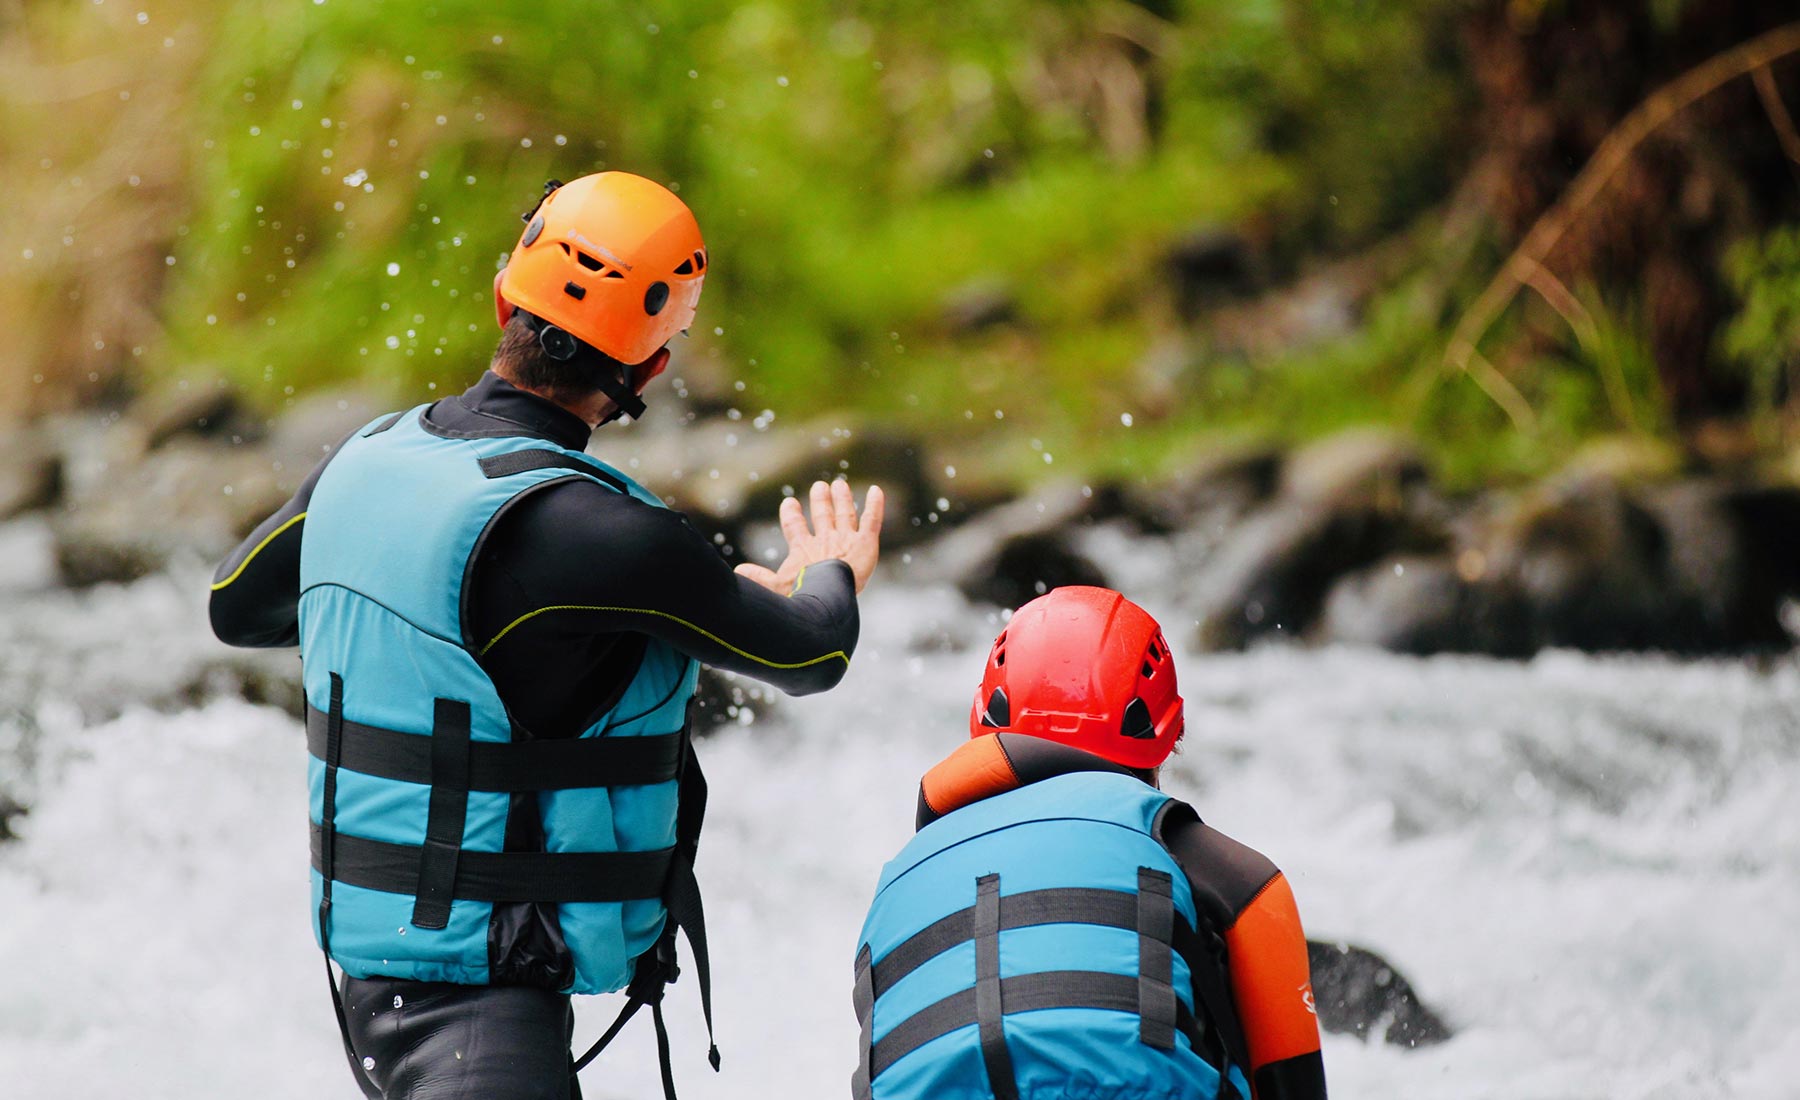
(1272, 985)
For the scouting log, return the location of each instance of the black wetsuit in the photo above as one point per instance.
(611, 570)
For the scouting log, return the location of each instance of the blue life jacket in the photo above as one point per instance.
(415, 758)
(1036, 945)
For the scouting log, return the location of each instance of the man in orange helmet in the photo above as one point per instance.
(1059, 926)
(501, 635)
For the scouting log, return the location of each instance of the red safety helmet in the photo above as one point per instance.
(613, 259)
(1088, 668)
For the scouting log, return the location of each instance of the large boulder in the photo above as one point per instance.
(1423, 604)
(134, 508)
(725, 473)
(1357, 992)
(1343, 504)
(1011, 554)
(1590, 562)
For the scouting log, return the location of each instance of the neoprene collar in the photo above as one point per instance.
(493, 396)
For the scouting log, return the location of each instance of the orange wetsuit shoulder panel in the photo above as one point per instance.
(1270, 978)
(977, 770)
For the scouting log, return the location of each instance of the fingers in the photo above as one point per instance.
(793, 520)
(822, 518)
(874, 509)
(843, 505)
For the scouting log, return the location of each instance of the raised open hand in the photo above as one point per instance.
(835, 532)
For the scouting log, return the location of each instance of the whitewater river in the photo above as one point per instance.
(1591, 866)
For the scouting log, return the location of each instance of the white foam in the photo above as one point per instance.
(1590, 865)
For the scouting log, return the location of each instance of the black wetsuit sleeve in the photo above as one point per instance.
(574, 561)
(256, 590)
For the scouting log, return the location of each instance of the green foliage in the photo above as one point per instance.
(1764, 338)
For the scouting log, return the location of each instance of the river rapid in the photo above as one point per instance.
(1589, 865)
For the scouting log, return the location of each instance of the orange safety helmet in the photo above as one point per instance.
(612, 259)
(1088, 668)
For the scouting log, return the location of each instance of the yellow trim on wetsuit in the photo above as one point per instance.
(245, 564)
(673, 618)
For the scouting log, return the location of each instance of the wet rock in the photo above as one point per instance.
(1421, 605)
(725, 473)
(1014, 553)
(189, 498)
(1219, 486)
(722, 699)
(1696, 566)
(10, 811)
(1358, 992)
(305, 431)
(268, 678)
(1343, 504)
(205, 407)
(1027, 566)
(31, 476)
(1733, 558)
(1590, 564)
(135, 511)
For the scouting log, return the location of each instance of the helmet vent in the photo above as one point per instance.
(588, 261)
(1136, 723)
(700, 260)
(686, 268)
(1149, 670)
(999, 712)
(613, 273)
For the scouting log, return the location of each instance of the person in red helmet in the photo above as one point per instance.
(1059, 927)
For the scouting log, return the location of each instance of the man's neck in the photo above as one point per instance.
(594, 408)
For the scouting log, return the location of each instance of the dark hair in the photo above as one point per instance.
(521, 358)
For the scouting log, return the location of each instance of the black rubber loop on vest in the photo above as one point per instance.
(863, 997)
(564, 764)
(448, 815)
(1156, 979)
(547, 877)
(988, 1001)
(1023, 993)
(537, 458)
(1065, 905)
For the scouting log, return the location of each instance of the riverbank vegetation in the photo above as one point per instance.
(1093, 234)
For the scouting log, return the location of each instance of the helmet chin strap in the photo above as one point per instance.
(610, 375)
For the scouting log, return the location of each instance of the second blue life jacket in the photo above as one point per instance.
(1037, 944)
(415, 759)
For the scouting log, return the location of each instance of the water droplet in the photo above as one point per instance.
(398, 1001)
(368, 1065)
(1125, 419)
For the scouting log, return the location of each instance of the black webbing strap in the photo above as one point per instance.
(861, 1084)
(1064, 905)
(546, 877)
(1156, 975)
(657, 968)
(518, 462)
(1022, 993)
(324, 857)
(563, 764)
(1212, 994)
(988, 998)
(448, 814)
